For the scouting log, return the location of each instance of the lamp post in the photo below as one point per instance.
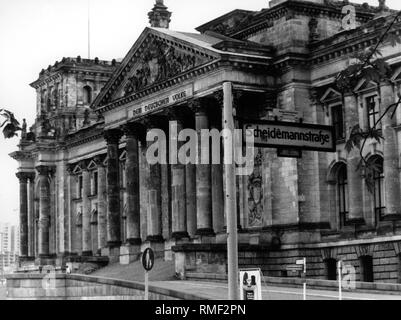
(230, 193)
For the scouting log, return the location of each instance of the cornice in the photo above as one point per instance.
(266, 17)
(356, 40)
(191, 74)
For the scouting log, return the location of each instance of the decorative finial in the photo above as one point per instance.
(159, 17)
(382, 10)
(382, 5)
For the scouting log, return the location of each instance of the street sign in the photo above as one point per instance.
(288, 135)
(250, 284)
(294, 268)
(148, 259)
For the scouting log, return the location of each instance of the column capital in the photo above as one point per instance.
(113, 136)
(70, 168)
(151, 122)
(84, 165)
(174, 115)
(45, 170)
(99, 160)
(133, 130)
(197, 106)
(25, 176)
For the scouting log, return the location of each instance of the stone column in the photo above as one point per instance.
(132, 178)
(86, 214)
(154, 196)
(190, 191)
(355, 185)
(390, 161)
(113, 189)
(178, 191)
(102, 203)
(23, 216)
(31, 215)
(44, 210)
(217, 191)
(203, 179)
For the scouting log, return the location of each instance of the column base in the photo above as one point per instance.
(392, 217)
(113, 253)
(87, 253)
(205, 236)
(386, 227)
(129, 253)
(181, 235)
(356, 221)
(158, 248)
(134, 241)
(114, 244)
(205, 232)
(155, 239)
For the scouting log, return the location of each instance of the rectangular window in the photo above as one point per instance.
(337, 117)
(80, 186)
(94, 183)
(372, 105)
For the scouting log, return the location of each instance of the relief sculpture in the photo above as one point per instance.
(159, 63)
(255, 193)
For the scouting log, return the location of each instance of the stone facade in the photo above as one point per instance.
(87, 190)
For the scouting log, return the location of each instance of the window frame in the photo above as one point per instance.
(342, 195)
(333, 107)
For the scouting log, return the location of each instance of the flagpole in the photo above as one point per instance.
(89, 32)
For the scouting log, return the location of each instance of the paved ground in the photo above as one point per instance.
(2, 293)
(162, 276)
(163, 270)
(218, 291)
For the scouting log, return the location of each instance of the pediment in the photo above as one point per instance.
(92, 165)
(365, 85)
(397, 75)
(156, 57)
(77, 169)
(123, 156)
(330, 95)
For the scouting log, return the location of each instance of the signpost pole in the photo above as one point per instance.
(304, 278)
(340, 289)
(148, 261)
(230, 196)
(146, 285)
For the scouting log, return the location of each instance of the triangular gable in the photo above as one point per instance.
(92, 165)
(397, 75)
(365, 85)
(330, 95)
(123, 156)
(77, 169)
(154, 58)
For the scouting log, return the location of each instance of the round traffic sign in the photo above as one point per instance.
(148, 259)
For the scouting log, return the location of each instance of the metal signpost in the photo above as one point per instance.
(290, 138)
(340, 288)
(148, 261)
(302, 263)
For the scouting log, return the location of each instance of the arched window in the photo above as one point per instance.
(342, 189)
(378, 190)
(87, 95)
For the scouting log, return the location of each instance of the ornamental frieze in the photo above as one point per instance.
(160, 62)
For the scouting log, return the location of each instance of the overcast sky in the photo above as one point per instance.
(36, 33)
